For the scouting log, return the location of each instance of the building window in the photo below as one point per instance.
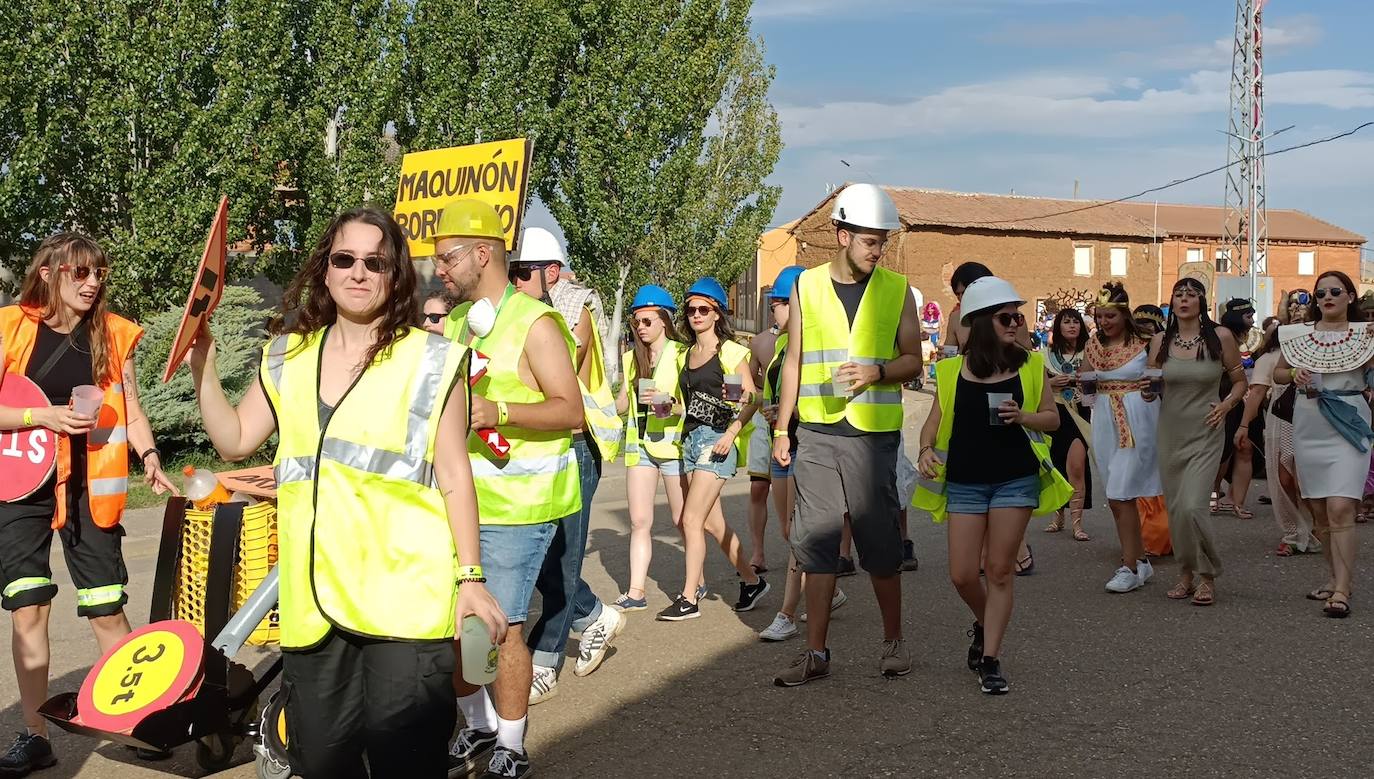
(1119, 261)
(1082, 260)
(1307, 263)
(1223, 260)
(1194, 255)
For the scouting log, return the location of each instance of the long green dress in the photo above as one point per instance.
(1189, 454)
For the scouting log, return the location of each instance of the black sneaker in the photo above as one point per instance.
(990, 674)
(507, 764)
(27, 754)
(909, 561)
(975, 650)
(749, 594)
(680, 609)
(846, 567)
(468, 751)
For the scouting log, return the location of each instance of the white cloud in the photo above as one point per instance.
(1291, 33)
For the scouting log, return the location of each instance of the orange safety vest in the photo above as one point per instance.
(107, 446)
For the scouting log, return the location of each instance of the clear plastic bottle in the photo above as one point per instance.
(479, 654)
(203, 489)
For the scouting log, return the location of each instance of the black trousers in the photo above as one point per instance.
(390, 700)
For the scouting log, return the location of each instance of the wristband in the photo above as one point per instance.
(1292, 374)
(779, 433)
(28, 417)
(470, 572)
(502, 413)
(143, 456)
(882, 373)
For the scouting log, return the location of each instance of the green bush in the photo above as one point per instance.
(237, 325)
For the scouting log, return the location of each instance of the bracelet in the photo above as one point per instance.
(1292, 374)
(143, 456)
(469, 572)
(882, 373)
(28, 417)
(925, 449)
(502, 413)
(476, 580)
(779, 433)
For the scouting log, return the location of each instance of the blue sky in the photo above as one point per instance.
(1029, 95)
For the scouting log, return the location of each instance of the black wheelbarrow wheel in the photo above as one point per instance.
(269, 753)
(215, 751)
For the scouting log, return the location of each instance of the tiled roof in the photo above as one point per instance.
(1206, 222)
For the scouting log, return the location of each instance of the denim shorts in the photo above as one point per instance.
(646, 460)
(978, 498)
(697, 456)
(779, 472)
(512, 556)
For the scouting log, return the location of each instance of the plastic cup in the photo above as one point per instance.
(949, 351)
(479, 654)
(646, 385)
(86, 400)
(1155, 381)
(996, 399)
(734, 388)
(1087, 384)
(839, 386)
(663, 405)
(1314, 387)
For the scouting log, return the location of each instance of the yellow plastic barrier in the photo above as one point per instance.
(257, 553)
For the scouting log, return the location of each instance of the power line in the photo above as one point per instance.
(1174, 183)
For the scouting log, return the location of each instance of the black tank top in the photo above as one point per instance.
(980, 452)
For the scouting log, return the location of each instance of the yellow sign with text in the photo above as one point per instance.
(497, 173)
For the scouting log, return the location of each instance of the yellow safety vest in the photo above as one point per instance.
(828, 342)
(768, 389)
(365, 542)
(731, 355)
(537, 481)
(598, 403)
(662, 438)
(1055, 490)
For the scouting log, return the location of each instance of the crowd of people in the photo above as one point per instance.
(436, 462)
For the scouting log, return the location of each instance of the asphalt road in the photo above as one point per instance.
(1259, 685)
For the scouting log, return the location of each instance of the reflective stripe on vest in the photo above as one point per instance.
(598, 403)
(518, 495)
(662, 438)
(829, 341)
(1055, 490)
(357, 501)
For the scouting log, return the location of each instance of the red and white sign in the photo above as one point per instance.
(205, 293)
(497, 443)
(27, 456)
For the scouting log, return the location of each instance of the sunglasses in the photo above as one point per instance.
(644, 322)
(434, 319)
(346, 261)
(1014, 319)
(1301, 298)
(80, 273)
(1334, 292)
(779, 302)
(699, 310)
(523, 272)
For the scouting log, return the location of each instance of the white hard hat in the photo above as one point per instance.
(985, 293)
(865, 205)
(538, 245)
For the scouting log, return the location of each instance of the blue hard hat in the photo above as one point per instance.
(708, 287)
(653, 295)
(786, 280)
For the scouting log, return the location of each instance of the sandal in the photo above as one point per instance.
(1214, 504)
(1026, 565)
(1320, 594)
(1055, 525)
(1181, 591)
(1205, 594)
(1337, 609)
(1285, 550)
(1242, 512)
(1078, 533)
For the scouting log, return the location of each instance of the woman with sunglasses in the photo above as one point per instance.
(653, 429)
(434, 311)
(1328, 361)
(714, 417)
(62, 336)
(993, 398)
(1123, 428)
(1069, 446)
(1194, 353)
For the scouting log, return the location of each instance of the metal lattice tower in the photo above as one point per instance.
(1247, 221)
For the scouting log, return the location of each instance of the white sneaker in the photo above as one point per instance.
(1144, 570)
(1125, 580)
(596, 640)
(839, 600)
(781, 629)
(545, 684)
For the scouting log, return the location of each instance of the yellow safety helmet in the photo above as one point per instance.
(468, 219)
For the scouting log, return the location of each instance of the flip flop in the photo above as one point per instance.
(1337, 609)
(1320, 594)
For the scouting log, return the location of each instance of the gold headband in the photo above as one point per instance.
(1151, 316)
(1104, 300)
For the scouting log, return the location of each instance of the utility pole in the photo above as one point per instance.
(1246, 217)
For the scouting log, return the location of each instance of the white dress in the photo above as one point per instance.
(1132, 472)
(1328, 466)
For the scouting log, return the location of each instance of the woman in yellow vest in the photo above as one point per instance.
(988, 463)
(714, 417)
(653, 445)
(61, 335)
(376, 506)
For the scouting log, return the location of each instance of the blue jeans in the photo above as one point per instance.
(562, 574)
(512, 556)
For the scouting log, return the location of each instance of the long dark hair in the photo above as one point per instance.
(1270, 343)
(1210, 342)
(307, 307)
(1113, 295)
(724, 330)
(643, 368)
(1352, 313)
(1057, 344)
(985, 354)
(1233, 318)
(76, 250)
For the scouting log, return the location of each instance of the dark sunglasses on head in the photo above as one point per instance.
(80, 273)
(1012, 319)
(702, 310)
(644, 322)
(346, 261)
(434, 318)
(1332, 291)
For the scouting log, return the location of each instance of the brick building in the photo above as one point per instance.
(1046, 247)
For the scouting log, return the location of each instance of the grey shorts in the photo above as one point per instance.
(838, 474)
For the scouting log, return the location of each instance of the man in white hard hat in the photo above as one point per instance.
(854, 337)
(569, 603)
